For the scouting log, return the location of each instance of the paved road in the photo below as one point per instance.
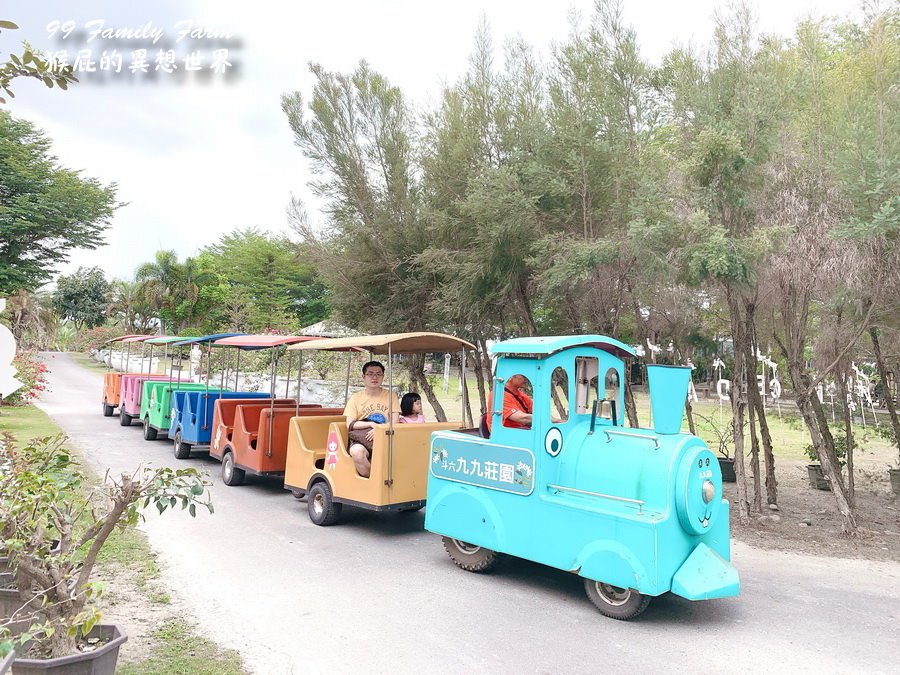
(378, 594)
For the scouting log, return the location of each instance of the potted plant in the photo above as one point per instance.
(44, 498)
(724, 436)
(886, 431)
(817, 477)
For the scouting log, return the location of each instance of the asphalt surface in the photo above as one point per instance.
(376, 593)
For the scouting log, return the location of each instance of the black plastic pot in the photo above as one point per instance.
(726, 464)
(817, 477)
(101, 661)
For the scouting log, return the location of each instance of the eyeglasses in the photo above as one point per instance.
(374, 373)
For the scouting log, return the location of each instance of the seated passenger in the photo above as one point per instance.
(411, 408)
(365, 410)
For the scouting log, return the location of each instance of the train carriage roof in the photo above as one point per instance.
(165, 339)
(550, 344)
(261, 341)
(398, 343)
(139, 338)
(127, 338)
(206, 338)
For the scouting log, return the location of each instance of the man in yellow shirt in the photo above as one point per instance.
(366, 409)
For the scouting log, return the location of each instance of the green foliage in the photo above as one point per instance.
(840, 449)
(45, 210)
(31, 65)
(81, 297)
(174, 289)
(270, 273)
(45, 504)
(94, 338)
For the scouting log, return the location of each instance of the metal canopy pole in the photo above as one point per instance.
(390, 431)
(287, 379)
(347, 382)
(206, 391)
(237, 369)
(465, 392)
(299, 382)
(272, 400)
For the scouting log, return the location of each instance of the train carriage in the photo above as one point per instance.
(635, 512)
(319, 464)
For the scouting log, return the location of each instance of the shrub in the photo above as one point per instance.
(93, 338)
(33, 375)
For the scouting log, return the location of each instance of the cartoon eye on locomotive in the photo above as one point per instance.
(635, 512)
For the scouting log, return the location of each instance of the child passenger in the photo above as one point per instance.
(411, 408)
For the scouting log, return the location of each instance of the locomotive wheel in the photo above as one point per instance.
(125, 419)
(320, 504)
(107, 409)
(149, 432)
(182, 450)
(470, 557)
(231, 475)
(615, 602)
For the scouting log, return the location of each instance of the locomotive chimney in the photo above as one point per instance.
(668, 393)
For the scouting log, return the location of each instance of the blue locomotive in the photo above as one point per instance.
(635, 512)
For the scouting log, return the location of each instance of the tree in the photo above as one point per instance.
(271, 271)
(31, 319)
(81, 297)
(173, 289)
(127, 306)
(45, 210)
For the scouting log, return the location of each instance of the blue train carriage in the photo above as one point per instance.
(635, 512)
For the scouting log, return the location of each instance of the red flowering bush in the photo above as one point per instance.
(32, 373)
(93, 338)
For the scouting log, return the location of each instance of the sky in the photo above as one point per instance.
(198, 154)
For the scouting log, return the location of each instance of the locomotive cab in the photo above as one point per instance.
(636, 512)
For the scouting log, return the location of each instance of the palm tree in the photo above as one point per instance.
(125, 302)
(172, 289)
(31, 319)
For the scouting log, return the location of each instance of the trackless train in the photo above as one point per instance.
(635, 512)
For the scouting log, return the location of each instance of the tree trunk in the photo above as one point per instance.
(769, 456)
(817, 425)
(416, 368)
(840, 377)
(738, 403)
(630, 406)
(752, 395)
(479, 377)
(885, 386)
(689, 411)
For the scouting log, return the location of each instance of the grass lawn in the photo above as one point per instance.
(27, 422)
(87, 362)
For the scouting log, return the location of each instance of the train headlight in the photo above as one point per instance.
(698, 481)
(709, 491)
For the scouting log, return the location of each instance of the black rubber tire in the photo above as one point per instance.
(182, 450)
(124, 419)
(470, 557)
(320, 505)
(616, 603)
(231, 475)
(149, 432)
(298, 494)
(108, 409)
